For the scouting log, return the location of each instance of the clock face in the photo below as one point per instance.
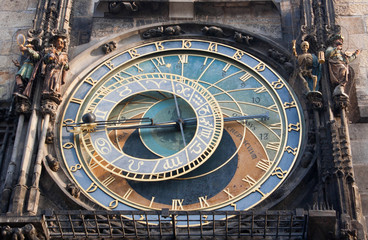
(182, 124)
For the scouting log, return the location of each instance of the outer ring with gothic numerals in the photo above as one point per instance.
(252, 159)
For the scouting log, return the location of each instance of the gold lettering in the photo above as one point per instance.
(159, 46)
(196, 147)
(187, 44)
(278, 84)
(133, 53)
(291, 150)
(279, 173)
(91, 188)
(203, 202)
(90, 81)
(260, 89)
(76, 100)
(75, 168)
(273, 146)
(160, 61)
(106, 182)
(68, 145)
(245, 77)
(260, 67)
(183, 58)
(234, 206)
(227, 66)
(227, 191)
(264, 164)
(289, 105)
(294, 127)
(177, 204)
(127, 194)
(212, 47)
(138, 165)
(172, 163)
(152, 200)
(113, 204)
(272, 107)
(238, 55)
(276, 126)
(138, 67)
(248, 179)
(206, 133)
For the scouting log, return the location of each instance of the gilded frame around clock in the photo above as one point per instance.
(256, 191)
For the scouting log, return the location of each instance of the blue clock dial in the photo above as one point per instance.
(195, 154)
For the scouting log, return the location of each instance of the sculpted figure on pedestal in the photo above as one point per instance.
(56, 61)
(338, 60)
(26, 74)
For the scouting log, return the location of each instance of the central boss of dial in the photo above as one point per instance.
(188, 127)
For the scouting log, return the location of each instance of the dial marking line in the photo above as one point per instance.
(204, 71)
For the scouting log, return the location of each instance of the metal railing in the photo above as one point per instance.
(176, 224)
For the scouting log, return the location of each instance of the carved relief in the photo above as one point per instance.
(26, 232)
(108, 47)
(338, 61)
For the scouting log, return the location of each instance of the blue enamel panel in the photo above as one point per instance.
(82, 178)
(172, 44)
(82, 90)
(292, 115)
(200, 45)
(248, 201)
(100, 72)
(71, 111)
(71, 157)
(270, 184)
(146, 49)
(120, 59)
(225, 50)
(248, 60)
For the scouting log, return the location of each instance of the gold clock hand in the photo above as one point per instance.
(180, 121)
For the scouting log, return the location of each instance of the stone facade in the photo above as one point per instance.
(15, 17)
(353, 18)
(92, 23)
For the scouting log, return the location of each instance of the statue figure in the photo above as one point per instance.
(26, 74)
(309, 67)
(155, 32)
(240, 38)
(213, 31)
(56, 64)
(173, 30)
(340, 71)
(109, 47)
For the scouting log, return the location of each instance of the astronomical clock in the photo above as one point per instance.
(180, 124)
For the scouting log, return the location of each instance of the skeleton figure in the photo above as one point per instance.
(309, 67)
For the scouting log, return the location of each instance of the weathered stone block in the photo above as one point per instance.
(16, 19)
(355, 25)
(351, 9)
(361, 174)
(13, 5)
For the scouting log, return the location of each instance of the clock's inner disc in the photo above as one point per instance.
(168, 141)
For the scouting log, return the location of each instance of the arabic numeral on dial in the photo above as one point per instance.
(256, 99)
(103, 146)
(263, 136)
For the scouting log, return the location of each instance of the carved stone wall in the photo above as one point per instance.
(15, 17)
(352, 16)
(260, 17)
